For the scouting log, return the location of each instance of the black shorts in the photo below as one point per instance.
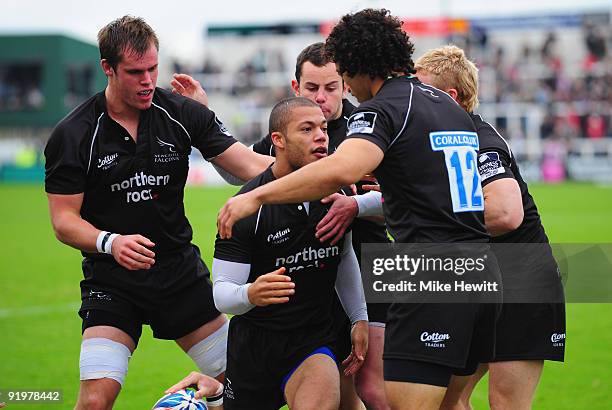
(531, 331)
(377, 312)
(174, 297)
(259, 360)
(458, 336)
(342, 330)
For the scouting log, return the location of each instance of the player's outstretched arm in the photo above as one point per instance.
(242, 162)
(206, 385)
(353, 159)
(130, 251)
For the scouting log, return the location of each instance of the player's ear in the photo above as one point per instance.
(296, 87)
(106, 67)
(453, 93)
(345, 89)
(278, 139)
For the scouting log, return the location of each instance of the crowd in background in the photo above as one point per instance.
(577, 102)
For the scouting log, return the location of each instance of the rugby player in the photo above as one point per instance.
(278, 280)
(116, 168)
(389, 135)
(524, 330)
(316, 78)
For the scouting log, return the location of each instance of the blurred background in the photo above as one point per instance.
(545, 69)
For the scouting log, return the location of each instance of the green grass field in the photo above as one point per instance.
(39, 297)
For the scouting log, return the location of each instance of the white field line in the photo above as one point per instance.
(38, 310)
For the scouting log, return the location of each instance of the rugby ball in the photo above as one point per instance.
(181, 400)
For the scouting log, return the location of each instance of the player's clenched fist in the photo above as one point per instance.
(132, 252)
(272, 288)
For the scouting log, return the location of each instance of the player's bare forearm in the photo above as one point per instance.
(242, 162)
(353, 159)
(309, 183)
(130, 251)
(68, 225)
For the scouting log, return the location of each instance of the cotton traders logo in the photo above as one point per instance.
(362, 123)
(557, 339)
(108, 161)
(279, 237)
(434, 339)
(171, 154)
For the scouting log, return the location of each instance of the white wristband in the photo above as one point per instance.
(370, 203)
(217, 398)
(104, 242)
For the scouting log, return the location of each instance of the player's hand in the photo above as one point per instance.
(132, 252)
(359, 349)
(339, 217)
(236, 208)
(206, 385)
(370, 187)
(187, 86)
(271, 289)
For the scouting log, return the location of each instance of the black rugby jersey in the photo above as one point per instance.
(428, 176)
(284, 235)
(133, 187)
(495, 161)
(364, 231)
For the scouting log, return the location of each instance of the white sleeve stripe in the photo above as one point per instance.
(406, 119)
(498, 134)
(181, 125)
(258, 215)
(93, 139)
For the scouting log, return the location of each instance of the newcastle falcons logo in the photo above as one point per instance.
(170, 147)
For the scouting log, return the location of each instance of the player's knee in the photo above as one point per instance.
(209, 354)
(95, 398)
(103, 358)
(94, 401)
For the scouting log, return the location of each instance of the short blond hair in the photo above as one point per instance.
(448, 67)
